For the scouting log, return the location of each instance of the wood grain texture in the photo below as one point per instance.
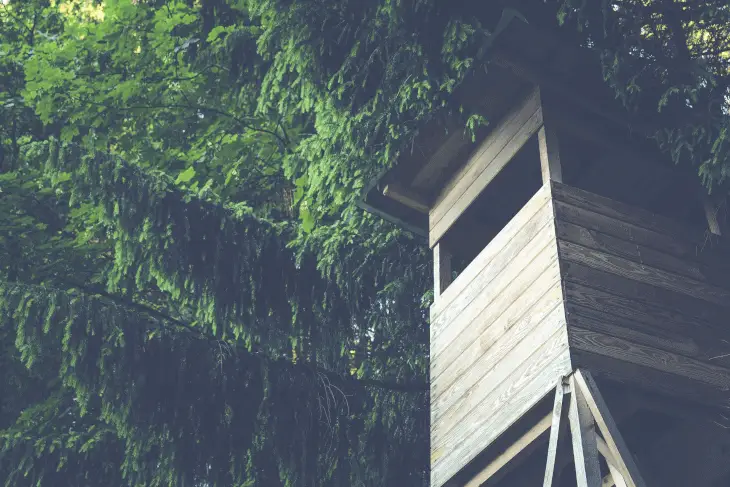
(510, 240)
(641, 294)
(632, 352)
(450, 409)
(659, 305)
(556, 419)
(650, 379)
(620, 456)
(489, 305)
(488, 286)
(693, 344)
(689, 246)
(623, 212)
(584, 436)
(488, 160)
(530, 382)
(549, 153)
(638, 252)
(457, 370)
(571, 252)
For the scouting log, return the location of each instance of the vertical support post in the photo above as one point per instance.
(606, 423)
(561, 391)
(441, 270)
(548, 141)
(585, 444)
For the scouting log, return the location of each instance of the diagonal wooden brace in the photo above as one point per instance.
(588, 415)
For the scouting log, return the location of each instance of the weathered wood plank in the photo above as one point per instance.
(600, 344)
(556, 419)
(660, 305)
(503, 247)
(511, 452)
(529, 383)
(643, 273)
(621, 211)
(520, 308)
(456, 373)
(440, 160)
(549, 153)
(686, 246)
(583, 434)
(642, 254)
(615, 442)
(449, 409)
(693, 344)
(491, 157)
(532, 259)
(407, 197)
(617, 228)
(615, 467)
(650, 379)
(441, 270)
(671, 331)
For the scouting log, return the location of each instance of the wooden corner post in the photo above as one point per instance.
(441, 270)
(548, 141)
(594, 432)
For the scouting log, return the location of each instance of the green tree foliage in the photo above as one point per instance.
(672, 57)
(188, 293)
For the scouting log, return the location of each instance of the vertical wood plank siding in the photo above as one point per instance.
(647, 299)
(498, 339)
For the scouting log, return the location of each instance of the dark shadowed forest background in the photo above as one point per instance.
(189, 294)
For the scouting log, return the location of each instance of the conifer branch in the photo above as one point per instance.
(413, 386)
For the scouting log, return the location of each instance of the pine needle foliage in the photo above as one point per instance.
(189, 294)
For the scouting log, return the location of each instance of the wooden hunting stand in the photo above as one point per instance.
(582, 287)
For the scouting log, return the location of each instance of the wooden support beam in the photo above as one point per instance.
(549, 150)
(556, 419)
(620, 452)
(437, 163)
(616, 476)
(441, 270)
(406, 197)
(613, 479)
(511, 452)
(616, 473)
(583, 432)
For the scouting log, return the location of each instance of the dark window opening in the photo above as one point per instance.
(640, 177)
(500, 201)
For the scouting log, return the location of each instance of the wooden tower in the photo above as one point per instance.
(579, 331)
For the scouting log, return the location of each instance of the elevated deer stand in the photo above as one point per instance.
(566, 248)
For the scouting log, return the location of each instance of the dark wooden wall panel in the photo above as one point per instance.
(647, 299)
(498, 339)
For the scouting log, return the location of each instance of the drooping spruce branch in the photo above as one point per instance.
(344, 381)
(156, 386)
(232, 269)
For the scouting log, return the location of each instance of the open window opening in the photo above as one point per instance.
(608, 164)
(498, 203)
